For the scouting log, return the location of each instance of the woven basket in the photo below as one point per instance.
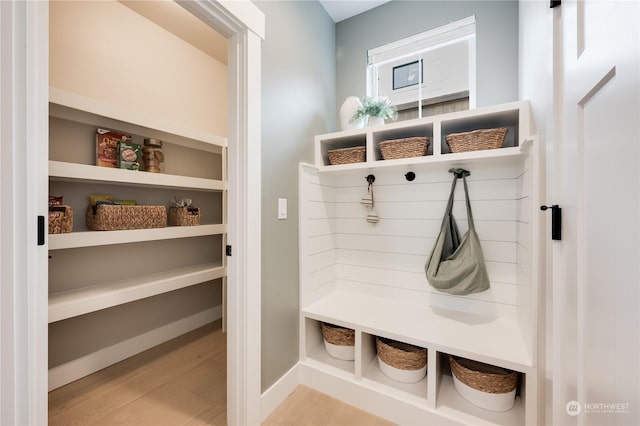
(401, 355)
(404, 148)
(184, 216)
(483, 377)
(60, 219)
(477, 140)
(112, 218)
(356, 154)
(337, 335)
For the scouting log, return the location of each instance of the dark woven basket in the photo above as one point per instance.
(404, 148)
(184, 216)
(356, 154)
(336, 335)
(483, 377)
(401, 355)
(477, 140)
(112, 218)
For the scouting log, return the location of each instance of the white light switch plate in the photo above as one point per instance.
(282, 208)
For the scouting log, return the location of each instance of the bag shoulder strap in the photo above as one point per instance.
(457, 174)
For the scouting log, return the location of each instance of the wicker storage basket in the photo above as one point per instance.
(401, 361)
(356, 154)
(484, 385)
(184, 216)
(60, 219)
(112, 218)
(477, 140)
(339, 341)
(404, 148)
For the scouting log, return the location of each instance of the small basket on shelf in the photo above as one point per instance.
(60, 219)
(487, 386)
(340, 342)
(404, 148)
(355, 154)
(477, 140)
(401, 361)
(184, 216)
(108, 217)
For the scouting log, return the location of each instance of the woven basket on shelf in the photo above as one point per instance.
(401, 355)
(404, 148)
(112, 218)
(356, 154)
(337, 335)
(60, 219)
(184, 216)
(477, 140)
(483, 377)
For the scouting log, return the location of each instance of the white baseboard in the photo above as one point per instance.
(88, 364)
(279, 391)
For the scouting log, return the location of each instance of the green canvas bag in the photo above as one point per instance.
(456, 265)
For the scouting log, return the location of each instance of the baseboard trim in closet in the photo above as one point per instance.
(279, 391)
(78, 368)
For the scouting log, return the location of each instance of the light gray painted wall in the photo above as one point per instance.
(298, 102)
(496, 41)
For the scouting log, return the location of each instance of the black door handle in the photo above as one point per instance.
(556, 221)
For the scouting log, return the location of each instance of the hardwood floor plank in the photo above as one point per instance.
(183, 382)
(306, 407)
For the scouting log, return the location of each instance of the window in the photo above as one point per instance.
(431, 67)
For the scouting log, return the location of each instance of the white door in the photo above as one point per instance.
(596, 297)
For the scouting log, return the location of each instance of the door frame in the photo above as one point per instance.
(24, 75)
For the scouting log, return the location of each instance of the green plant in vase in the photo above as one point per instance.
(375, 111)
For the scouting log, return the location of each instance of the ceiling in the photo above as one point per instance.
(339, 10)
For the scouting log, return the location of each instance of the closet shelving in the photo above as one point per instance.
(195, 168)
(370, 277)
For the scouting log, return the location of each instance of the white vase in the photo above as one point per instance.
(375, 121)
(347, 110)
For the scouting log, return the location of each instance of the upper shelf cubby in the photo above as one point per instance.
(76, 108)
(515, 116)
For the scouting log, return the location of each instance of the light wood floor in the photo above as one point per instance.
(182, 382)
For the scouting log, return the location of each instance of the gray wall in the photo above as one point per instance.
(496, 42)
(298, 102)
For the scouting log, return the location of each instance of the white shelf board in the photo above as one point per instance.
(62, 171)
(319, 357)
(72, 303)
(374, 378)
(490, 156)
(451, 404)
(496, 341)
(78, 108)
(103, 238)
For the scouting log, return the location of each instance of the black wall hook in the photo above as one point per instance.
(410, 176)
(460, 173)
(370, 178)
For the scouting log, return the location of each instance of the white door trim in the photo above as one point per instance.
(23, 186)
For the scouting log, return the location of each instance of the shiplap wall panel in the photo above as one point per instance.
(489, 230)
(317, 248)
(389, 256)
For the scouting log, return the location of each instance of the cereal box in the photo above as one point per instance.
(130, 156)
(107, 147)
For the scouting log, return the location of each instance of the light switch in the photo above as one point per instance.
(282, 208)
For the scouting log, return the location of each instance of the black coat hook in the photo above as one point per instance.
(410, 176)
(370, 178)
(460, 173)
